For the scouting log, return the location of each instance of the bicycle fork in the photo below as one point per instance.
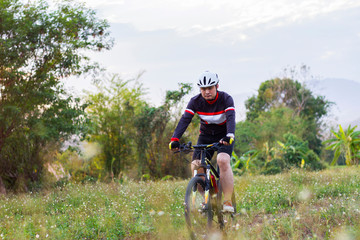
(207, 186)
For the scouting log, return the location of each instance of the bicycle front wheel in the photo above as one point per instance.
(198, 215)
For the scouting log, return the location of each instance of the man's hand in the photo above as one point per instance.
(227, 141)
(174, 145)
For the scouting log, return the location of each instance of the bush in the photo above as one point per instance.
(313, 161)
(275, 166)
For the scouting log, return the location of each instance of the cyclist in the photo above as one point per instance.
(217, 113)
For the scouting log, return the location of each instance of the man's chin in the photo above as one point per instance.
(209, 98)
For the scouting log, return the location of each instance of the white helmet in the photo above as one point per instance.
(208, 79)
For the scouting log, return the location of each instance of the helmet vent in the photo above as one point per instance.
(208, 79)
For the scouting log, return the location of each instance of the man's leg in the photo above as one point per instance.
(226, 175)
(194, 164)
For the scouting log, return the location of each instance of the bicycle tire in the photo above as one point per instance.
(198, 217)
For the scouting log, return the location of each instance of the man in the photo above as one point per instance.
(217, 113)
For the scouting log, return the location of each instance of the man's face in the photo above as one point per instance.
(209, 93)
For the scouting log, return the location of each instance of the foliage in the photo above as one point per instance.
(81, 167)
(39, 45)
(154, 127)
(112, 111)
(346, 143)
(293, 205)
(270, 127)
(283, 124)
(134, 135)
(294, 152)
(244, 163)
(286, 154)
(275, 166)
(289, 93)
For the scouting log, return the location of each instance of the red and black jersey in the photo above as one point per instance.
(217, 116)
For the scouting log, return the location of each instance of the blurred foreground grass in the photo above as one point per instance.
(293, 205)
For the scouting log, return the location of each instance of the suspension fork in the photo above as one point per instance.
(207, 176)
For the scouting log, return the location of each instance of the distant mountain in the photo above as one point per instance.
(342, 92)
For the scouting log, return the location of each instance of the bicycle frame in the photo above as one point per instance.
(206, 185)
(210, 173)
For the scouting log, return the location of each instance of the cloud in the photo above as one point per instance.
(327, 55)
(213, 14)
(228, 20)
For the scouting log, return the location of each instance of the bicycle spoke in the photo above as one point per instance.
(197, 214)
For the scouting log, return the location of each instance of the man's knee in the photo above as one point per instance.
(223, 160)
(195, 164)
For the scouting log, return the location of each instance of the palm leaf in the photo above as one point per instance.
(350, 130)
(330, 140)
(333, 146)
(354, 134)
(342, 133)
(336, 157)
(356, 140)
(336, 134)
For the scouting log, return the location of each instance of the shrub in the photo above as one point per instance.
(274, 167)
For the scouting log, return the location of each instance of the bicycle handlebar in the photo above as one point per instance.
(188, 147)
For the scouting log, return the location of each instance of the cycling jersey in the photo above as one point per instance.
(217, 116)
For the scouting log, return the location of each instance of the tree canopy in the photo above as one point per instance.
(40, 45)
(289, 93)
(282, 126)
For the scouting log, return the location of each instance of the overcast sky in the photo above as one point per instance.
(246, 42)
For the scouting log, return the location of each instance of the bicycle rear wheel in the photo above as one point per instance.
(198, 215)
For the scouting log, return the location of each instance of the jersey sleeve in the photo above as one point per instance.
(230, 117)
(184, 121)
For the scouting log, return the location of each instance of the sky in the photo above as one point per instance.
(246, 42)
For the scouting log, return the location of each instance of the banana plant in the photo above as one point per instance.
(346, 143)
(241, 164)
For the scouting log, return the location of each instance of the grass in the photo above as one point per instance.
(293, 205)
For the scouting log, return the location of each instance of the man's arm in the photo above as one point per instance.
(183, 124)
(230, 122)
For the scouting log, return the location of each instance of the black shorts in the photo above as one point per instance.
(208, 139)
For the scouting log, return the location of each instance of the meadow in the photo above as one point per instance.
(293, 205)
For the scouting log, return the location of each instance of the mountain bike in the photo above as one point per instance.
(203, 197)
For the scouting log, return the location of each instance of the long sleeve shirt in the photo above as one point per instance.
(217, 116)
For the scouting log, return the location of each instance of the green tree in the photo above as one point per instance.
(289, 93)
(155, 126)
(269, 127)
(112, 112)
(40, 45)
(346, 143)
